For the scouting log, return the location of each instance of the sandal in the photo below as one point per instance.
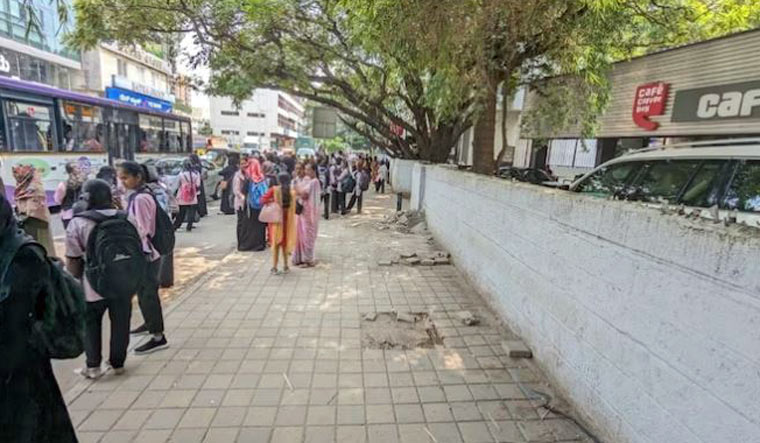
(274, 271)
(286, 270)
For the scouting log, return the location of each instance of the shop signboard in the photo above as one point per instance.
(649, 101)
(136, 99)
(734, 101)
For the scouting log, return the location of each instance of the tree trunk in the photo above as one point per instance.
(485, 132)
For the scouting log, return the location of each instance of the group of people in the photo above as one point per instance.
(277, 202)
(31, 405)
(255, 186)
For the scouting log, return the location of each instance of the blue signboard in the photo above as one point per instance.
(136, 99)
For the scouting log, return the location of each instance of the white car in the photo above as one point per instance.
(722, 173)
(169, 169)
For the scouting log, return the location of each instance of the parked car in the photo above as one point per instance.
(169, 169)
(723, 174)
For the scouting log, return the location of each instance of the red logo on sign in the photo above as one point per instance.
(650, 100)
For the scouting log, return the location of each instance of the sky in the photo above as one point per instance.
(200, 99)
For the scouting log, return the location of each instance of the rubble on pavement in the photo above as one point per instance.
(410, 221)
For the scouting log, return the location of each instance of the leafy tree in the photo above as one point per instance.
(340, 53)
(205, 130)
(523, 43)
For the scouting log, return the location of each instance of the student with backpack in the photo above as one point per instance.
(250, 185)
(31, 405)
(187, 195)
(157, 238)
(360, 184)
(104, 250)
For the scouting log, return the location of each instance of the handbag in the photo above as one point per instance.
(299, 208)
(271, 213)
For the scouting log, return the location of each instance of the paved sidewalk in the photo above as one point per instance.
(261, 358)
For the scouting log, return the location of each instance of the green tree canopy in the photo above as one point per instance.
(411, 75)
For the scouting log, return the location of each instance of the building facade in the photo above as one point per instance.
(38, 55)
(130, 74)
(270, 119)
(701, 91)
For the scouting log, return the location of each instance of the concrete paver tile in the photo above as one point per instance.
(457, 393)
(101, 420)
(89, 437)
(351, 434)
(466, 411)
(254, 435)
(164, 419)
(409, 413)
(132, 419)
(229, 417)
(260, 416)
(320, 434)
(187, 436)
(218, 381)
(507, 432)
(118, 437)
(190, 381)
(208, 398)
(321, 415)
(475, 432)
(380, 414)
(221, 435)
(119, 400)
(197, 418)
(266, 397)
(375, 396)
(445, 432)
(431, 394)
(153, 436)
(382, 434)
(291, 416)
(351, 415)
(238, 397)
(536, 431)
(178, 398)
(297, 397)
(287, 435)
(437, 412)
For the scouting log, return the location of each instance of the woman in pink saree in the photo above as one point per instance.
(308, 191)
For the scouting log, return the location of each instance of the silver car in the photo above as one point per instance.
(170, 168)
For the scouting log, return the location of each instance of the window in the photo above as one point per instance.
(83, 129)
(230, 113)
(256, 115)
(121, 67)
(744, 192)
(172, 136)
(150, 133)
(703, 191)
(662, 181)
(230, 132)
(255, 134)
(30, 127)
(608, 181)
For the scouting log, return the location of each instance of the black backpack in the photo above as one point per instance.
(348, 183)
(163, 240)
(116, 265)
(363, 180)
(60, 330)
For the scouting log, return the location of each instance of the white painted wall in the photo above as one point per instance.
(649, 324)
(401, 175)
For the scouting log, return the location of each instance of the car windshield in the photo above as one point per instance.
(744, 192)
(608, 180)
(169, 167)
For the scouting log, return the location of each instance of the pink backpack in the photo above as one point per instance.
(187, 190)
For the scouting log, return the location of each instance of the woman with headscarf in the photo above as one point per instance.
(67, 193)
(31, 405)
(308, 190)
(228, 173)
(31, 206)
(195, 161)
(282, 235)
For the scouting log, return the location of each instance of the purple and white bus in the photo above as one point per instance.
(49, 127)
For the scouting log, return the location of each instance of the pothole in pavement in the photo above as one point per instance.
(388, 330)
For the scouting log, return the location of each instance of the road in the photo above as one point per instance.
(195, 254)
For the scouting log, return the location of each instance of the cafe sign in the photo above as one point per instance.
(649, 101)
(721, 102)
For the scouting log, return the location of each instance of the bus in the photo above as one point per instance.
(49, 127)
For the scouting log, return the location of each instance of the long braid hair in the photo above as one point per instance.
(284, 180)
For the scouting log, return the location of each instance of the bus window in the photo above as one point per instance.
(30, 128)
(172, 136)
(186, 137)
(150, 134)
(83, 129)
